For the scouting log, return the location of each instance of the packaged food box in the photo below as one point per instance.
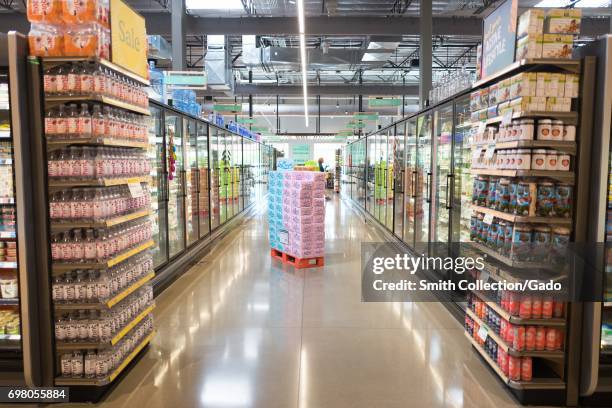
(572, 86)
(531, 22)
(474, 101)
(563, 21)
(493, 94)
(554, 104)
(523, 84)
(557, 45)
(529, 46)
(557, 85)
(492, 111)
(503, 91)
(543, 83)
(484, 97)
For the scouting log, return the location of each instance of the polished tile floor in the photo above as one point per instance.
(239, 330)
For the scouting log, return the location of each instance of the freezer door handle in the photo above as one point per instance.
(428, 189)
(450, 181)
(414, 183)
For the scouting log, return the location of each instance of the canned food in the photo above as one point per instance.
(514, 368)
(540, 338)
(547, 307)
(491, 197)
(523, 198)
(519, 339)
(525, 307)
(482, 190)
(538, 159)
(536, 307)
(556, 130)
(503, 195)
(530, 338)
(563, 200)
(526, 368)
(544, 129)
(551, 339)
(559, 242)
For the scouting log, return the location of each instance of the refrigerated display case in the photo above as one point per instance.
(399, 179)
(423, 185)
(191, 181)
(203, 179)
(159, 203)
(175, 163)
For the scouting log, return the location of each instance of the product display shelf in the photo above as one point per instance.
(56, 99)
(104, 62)
(59, 268)
(520, 218)
(563, 176)
(572, 65)
(556, 354)
(568, 147)
(507, 260)
(556, 322)
(101, 345)
(110, 302)
(95, 141)
(535, 383)
(9, 302)
(566, 117)
(103, 182)
(60, 225)
(110, 378)
(512, 275)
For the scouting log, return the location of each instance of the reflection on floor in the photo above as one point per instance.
(239, 330)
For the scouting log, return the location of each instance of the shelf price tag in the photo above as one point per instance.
(481, 127)
(483, 333)
(488, 219)
(136, 190)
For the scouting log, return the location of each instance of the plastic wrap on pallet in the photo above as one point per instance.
(296, 210)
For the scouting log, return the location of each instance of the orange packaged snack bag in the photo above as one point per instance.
(79, 11)
(46, 40)
(44, 11)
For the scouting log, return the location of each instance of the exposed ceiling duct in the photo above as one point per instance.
(218, 63)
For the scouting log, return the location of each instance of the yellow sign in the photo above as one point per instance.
(129, 38)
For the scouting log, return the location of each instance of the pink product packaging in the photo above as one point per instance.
(300, 202)
(300, 193)
(318, 202)
(318, 218)
(301, 211)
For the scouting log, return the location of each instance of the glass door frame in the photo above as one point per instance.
(163, 185)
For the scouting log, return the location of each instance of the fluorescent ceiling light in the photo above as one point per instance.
(214, 5)
(579, 4)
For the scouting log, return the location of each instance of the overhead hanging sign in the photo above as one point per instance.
(499, 38)
(196, 80)
(355, 125)
(301, 152)
(346, 132)
(128, 38)
(246, 120)
(227, 107)
(372, 116)
(375, 102)
(260, 129)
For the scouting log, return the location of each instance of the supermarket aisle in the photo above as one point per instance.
(238, 330)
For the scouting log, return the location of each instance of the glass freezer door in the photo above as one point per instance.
(440, 209)
(463, 180)
(215, 215)
(424, 182)
(411, 183)
(202, 179)
(10, 316)
(159, 204)
(399, 179)
(191, 176)
(176, 188)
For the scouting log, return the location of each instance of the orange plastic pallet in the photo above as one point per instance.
(298, 263)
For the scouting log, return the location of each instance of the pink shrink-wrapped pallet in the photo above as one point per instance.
(304, 213)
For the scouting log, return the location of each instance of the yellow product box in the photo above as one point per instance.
(529, 46)
(503, 108)
(543, 83)
(523, 84)
(503, 91)
(531, 22)
(557, 85)
(554, 104)
(572, 86)
(557, 45)
(563, 21)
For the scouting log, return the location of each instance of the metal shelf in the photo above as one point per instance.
(566, 117)
(568, 147)
(110, 302)
(109, 379)
(534, 384)
(59, 268)
(105, 182)
(100, 345)
(572, 65)
(557, 354)
(94, 141)
(508, 261)
(102, 223)
(564, 176)
(556, 322)
(98, 98)
(102, 62)
(521, 218)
